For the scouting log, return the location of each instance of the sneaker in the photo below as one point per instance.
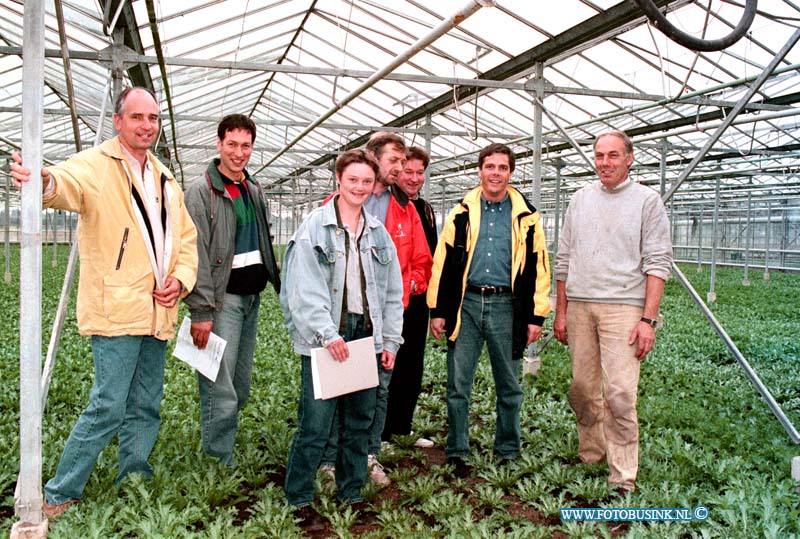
(54, 511)
(310, 519)
(424, 443)
(376, 472)
(328, 474)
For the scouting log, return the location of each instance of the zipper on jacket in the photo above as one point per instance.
(122, 247)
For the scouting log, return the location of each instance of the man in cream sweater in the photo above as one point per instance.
(614, 255)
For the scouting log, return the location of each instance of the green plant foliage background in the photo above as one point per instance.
(706, 438)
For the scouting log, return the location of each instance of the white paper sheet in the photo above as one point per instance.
(205, 361)
(332, 378)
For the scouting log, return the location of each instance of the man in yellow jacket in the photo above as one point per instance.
(138, 256)
(490, 283)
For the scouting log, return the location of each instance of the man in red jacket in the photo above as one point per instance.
(406, 383)
(392, 207)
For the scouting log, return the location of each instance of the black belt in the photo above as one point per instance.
(488, 290)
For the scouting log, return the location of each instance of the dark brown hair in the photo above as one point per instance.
(416, 152)
(494, 148)
(356, 155)
(236, 121)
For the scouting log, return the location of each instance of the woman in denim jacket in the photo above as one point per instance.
(341, 281)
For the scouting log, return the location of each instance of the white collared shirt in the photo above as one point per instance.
(146, 183)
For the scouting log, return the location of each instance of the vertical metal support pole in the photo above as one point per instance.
(280, 218)
(748, 240)
(28, 504)
(559, 165)
(700, 240)
(117, 65)
(768, 239)
(785, 235)
(688, 224)
(672, 232)
(54, 228)
(663, 167)
(538, 105)
(428, 130)
(7, 241)
(712, 295)
(294, 205)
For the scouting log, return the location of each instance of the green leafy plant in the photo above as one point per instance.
(705, 438)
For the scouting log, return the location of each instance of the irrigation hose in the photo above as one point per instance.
(659, 20)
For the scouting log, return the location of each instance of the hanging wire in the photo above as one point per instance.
(697, 120)
(344, 51)
(458, 109)
(236, 52)
(660, 60)
(477, 90)
(294, 89)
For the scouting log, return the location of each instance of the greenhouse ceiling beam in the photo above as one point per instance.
(151, 14)
(289, 46)
(610, 22)
(656, 146)
(140, 59)
(678, 126)
(139, 72)
(449, 23)
(787, 99)
(601, 27)
(733, 113)
(741, 200)
(132, 57)
(286, 123)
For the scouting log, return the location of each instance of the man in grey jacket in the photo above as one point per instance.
(235, 262)
(613, 258)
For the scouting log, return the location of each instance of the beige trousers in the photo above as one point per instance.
(605, 380)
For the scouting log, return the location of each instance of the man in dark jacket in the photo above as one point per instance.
(235, 262)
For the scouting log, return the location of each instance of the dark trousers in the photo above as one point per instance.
(406, 381)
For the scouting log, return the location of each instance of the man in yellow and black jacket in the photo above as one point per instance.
(490, 283)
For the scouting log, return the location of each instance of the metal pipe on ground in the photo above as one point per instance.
(762, 389)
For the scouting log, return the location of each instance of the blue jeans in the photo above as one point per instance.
(125, 400)
(315, 419)
(378, 420)
(221, 400)
(484, 318)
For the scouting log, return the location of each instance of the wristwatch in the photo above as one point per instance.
(649, 321)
